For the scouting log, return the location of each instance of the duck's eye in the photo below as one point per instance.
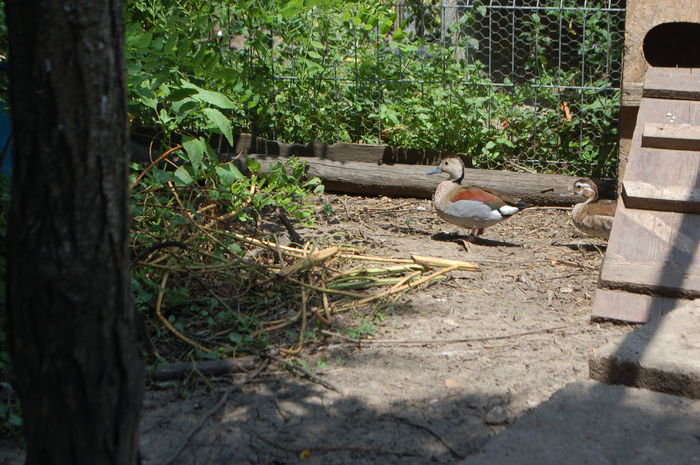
(580, 185)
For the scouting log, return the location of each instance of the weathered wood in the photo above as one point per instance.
(637, 194)
(643, 15)
(631, 94)
(653, 251)
(631, 307)
(412, 180)
(341, 151)
(671, 136)
(181, 370)
(659, 178)
(672, 83)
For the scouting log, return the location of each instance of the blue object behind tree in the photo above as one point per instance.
(5, 134)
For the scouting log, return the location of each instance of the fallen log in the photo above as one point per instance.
(401, 180)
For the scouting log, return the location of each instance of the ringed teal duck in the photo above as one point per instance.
(470, 206)
(594, 216)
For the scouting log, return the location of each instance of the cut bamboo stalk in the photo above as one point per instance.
(443, 262)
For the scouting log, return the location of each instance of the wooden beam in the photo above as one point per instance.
(412, 181)
(671, 136)
(653, 252)
(342, 151)
(631, 94)
(638, 194)
(672, 83)
(631, 307)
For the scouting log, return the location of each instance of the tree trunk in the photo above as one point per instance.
(71, 319)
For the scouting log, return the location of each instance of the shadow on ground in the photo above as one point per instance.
(277, 421)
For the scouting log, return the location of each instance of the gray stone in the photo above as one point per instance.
(496, 416)
(662, 356)
(592, 423)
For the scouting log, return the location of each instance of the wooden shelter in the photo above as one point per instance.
(657, 33)
(652, 262)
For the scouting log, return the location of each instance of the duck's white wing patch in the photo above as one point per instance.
(477, 211)
(508, 210)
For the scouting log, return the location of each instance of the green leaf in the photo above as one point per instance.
(220, 121)
(147, 97)
(171, 44)
(253, 165)
(398, 35)
(228, 174)
(183, 107)
(254, 101)
(183, 176)
(211, 97)
(181, 93)
(386, 26)
(195, 150)
(292, 8)
(215, 98)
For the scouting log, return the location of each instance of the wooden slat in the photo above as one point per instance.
(637, 194)
(659, 176)
(652, 251)
(632, 307)
(671, 136)
(341, 151)
(672, 83)
(631, 94)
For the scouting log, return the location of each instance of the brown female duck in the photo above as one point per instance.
(593, 216)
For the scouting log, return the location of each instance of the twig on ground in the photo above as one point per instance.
(406, 421)
(206, 367)
(441, 341)
(304, 371)
(155, 247)
(294, 236)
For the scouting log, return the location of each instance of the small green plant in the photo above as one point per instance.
(363, 329)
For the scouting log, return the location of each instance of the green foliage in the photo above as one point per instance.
(335, 71)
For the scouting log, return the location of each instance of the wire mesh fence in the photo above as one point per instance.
(517, 84)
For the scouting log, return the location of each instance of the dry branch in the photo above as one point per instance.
(181, 370)
(305, 263)
(441, 341)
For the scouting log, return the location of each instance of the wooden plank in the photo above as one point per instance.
(411, 180)
(632, 307)
(342, 151)
(631, 94)
(677, 171)
(651, 251)
(671, 136)
(672, 83)
(637, 194)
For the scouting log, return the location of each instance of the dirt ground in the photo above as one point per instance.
(435, 401)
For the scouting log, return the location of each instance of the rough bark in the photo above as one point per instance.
(75, 359)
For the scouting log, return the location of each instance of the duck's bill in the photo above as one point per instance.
(434, 171)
